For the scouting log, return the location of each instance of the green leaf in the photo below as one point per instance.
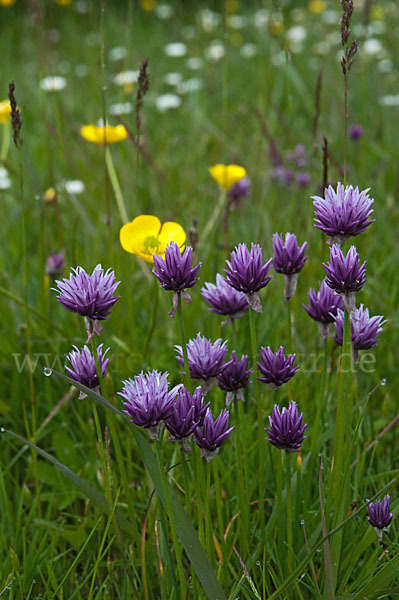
(184, 527)
(84, 487)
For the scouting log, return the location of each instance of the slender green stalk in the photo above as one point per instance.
(176, 545)
(280, 507)
(197, 481)
(244, 504)
(182, 330)
(104, 116)
(213, 219)
(321, 400)
(345, 125)
(261, 436)
(290, 549)
(115, 186)
(208, 520)
(289, 326)
(218, 497)
(5, 142)
(155, 305)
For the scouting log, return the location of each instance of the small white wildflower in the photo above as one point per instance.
(126, 78)
(248, 50)
(173, 78)
(164, 11)
(74, 187)
(372, 46)
(175, 49)
(215, 51)
(389, 100)
(117, 53)
(121, 108)
(53, 83)
(296, 34)
(209, 20)
(261, 18)
(5, 181)
(167, 101)
(236, 21)
(194, 63)
(190, 85)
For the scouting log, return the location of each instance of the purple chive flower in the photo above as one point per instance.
(175, 272)
(276, 368)
(205, 359)
(239, 190)
(213, 434)
(323, 307)
(84, 367)
(90, 296)
(234, 378)
(364, 329)
(289, 259)
(356, 132)
(345, 275)
(343, 213)
(55, 263)
(379, 516)
(286, 429)
(302, 179)
(281, 174)
(148, 401)
(224, 299)
(247, 273)
(188, 413)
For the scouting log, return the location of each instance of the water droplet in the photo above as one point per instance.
(47, 372)
(383, 381)
(2, 430)
(258, 563)
(302, 522)
(303, 575)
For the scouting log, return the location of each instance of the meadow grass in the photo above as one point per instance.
(107, 519)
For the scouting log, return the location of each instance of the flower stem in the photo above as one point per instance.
(289, 513)
(176, 545)
(153, 319)
(261, 443)
(320, 404)
(115, 186)
(197, 481)
(289, 326)
(280, 507)
(5, 142)
(345, 125)
(182, 329)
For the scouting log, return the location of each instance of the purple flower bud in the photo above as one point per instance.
(282, 175)
(213, 434)
(188, 413)
(247, 273)
(175, 272)
(205, 359)
(379, 515)
(84, 367)
(323, 307)
(239, 190)
(286, 429)
(234, 378)
(148, 401)
(224, 299)
(55, 263)
(276, 368)
(364, 329)
(345, 275)
(289, 259)
(356, 132)
(343, 213)
(88, 295)
(302, 179)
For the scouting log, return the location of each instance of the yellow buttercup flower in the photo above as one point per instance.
(148, 5)
(95, 134)
(5, 110)
(64, 2)
(7, 2)
(317, 6)
(227, 175)
(144, 236)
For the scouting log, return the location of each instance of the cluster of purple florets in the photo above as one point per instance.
(147, 399)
